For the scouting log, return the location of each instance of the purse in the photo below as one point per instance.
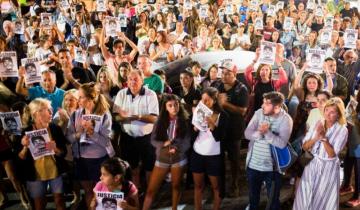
(169, 158)
(305, 158)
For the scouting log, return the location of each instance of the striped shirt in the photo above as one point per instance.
(259, 156)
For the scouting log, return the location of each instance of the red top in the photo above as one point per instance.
(277, 83)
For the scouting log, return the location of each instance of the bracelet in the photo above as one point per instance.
(323, 140)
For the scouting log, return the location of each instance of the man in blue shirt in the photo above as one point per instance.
(47, 88)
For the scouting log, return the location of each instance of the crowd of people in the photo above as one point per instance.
(114, 123)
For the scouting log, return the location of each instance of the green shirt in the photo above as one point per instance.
(154, 83)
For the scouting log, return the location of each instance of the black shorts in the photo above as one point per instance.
(232, 147)
(210, 165)
(88, 169)
(6, 155)
(136, 149)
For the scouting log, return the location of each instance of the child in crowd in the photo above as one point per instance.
(113, 179)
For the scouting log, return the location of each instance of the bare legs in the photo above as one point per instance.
(157, 177)
(199, 188)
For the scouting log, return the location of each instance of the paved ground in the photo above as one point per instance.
(163, 200)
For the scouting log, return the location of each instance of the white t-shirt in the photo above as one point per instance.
(245, 39)
(205, 143)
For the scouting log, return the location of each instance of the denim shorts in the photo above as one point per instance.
(174, 165)
(38, 189)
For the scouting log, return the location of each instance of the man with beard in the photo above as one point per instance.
(270, 125)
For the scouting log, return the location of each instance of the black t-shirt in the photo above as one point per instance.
(81, 75)
(259, 90)
(237, 95)
(191, 99)
(346, 13)
(317, 27)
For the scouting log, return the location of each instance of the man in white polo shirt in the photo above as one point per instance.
(137, 108)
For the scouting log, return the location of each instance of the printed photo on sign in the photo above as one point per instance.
(288, 24)
(315, 60)
(310, 5)
(112, 26)
(329, 22)
(79, 55)
(11, 122)
(38, 141)
(61, 22)
(253, 5)
(101, 6)
(65, 4)
(279, 5)
(203, 11)
(350, 38)
(200, 114)
(122, 20)
(326, 37)
(271, 11)
(95, 121)
(8, 64)
(187, 4)
(319, 11)
(19, 27)
(46, 20)
(267, 52)
(229, 9)
(32, 70)
(259, 25)
(109, 200)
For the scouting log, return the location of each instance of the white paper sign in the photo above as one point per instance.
(80, 56)
(112, 26)
(203, 13)
(329, 22)
(19, 27)
(326, 37)
(32, 70)
(46, 20)
(122, 20)
(38, 141)
(350, 38)
(96, 122)
(101, 6)
(288, 23)
(65, 4)
(319, 11)
(310, 5)
(229, 9)
(271, 11)
(201, 112)
(11, 122)
(267, 53)
(259, 25)
(187, 4)
(8, 64)
(279, 5)
(109, 200)
(315, 60)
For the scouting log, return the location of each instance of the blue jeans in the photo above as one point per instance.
(273, 185)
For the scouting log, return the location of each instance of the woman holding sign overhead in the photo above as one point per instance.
(206, 157)
(43, 171)
(89, 132)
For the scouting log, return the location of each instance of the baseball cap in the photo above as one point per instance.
(229, 65)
